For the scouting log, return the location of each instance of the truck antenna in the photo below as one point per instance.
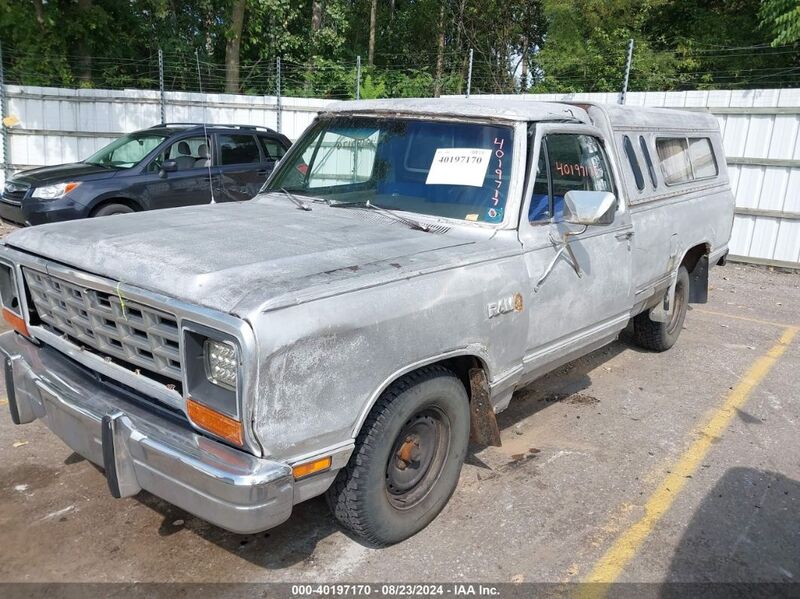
(205, 130)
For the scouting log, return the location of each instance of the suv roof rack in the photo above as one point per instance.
(215, 125)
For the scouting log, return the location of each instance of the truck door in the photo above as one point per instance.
(580, 296)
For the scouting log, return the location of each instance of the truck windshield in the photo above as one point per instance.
(127, 151)
(447, 169)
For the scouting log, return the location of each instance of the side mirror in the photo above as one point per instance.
(589, 207)
(169, 166)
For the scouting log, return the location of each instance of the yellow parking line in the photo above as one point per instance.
(745, 318)
(611, 565)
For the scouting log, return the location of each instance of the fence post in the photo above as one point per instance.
(163, 100)
(358, 77)
(469, 74)
(627, 72)
(278, 91)
(3, 130)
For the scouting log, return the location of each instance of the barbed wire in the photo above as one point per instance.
(398, 73)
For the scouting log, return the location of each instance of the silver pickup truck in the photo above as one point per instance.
(408, 265)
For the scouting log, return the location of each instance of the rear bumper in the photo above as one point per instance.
(142, 450)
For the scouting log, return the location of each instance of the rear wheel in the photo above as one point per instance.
(110, 209)
(407, 458)
(660, 336)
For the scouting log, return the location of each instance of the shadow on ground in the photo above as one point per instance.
(747, 530)
(292, 542)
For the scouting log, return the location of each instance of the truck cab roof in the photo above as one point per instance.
(523, 109)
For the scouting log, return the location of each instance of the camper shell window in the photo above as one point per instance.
(686, 159)
(648, 160)
(634, 162)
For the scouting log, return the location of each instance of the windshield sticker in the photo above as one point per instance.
(471, 216)
(459, 166)
(494, 214)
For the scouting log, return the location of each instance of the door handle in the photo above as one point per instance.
(622, 236)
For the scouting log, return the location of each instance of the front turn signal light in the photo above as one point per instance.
(312, 467)
(214, 422)
(16, 322)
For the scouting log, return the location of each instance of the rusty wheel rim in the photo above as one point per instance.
(417, 457)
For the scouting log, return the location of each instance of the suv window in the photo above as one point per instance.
(575, 162)
(273, 150)
(127, 151)
(188, 153)
(238, 149)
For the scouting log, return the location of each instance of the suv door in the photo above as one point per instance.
(583, 302)
(272, 150)
(188, 185)
(241, 173)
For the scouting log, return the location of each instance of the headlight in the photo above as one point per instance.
(53, 192)
(222, 362)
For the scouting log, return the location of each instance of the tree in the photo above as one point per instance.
(589, 53)
(782, 19)
(373, 18)
(440, 40)
(413, 47)
(232, 46)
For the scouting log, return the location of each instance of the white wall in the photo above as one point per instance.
(761, 133)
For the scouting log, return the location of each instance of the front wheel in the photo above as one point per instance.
(407, 459)
(111, 209)
(660, 336)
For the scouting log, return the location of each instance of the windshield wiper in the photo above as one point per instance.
(386, 211)
(297, 201)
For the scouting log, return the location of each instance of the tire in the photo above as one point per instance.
(110, 209)
(407, 458)
(660, 336)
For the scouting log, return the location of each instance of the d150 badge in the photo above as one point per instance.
(512, 303)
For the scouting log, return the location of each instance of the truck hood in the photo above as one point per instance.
(240, 257)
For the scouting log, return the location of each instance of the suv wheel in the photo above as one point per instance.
(110, 209)
(660, 336)
(407, 459)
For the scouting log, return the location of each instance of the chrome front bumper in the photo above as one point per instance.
(141, 450)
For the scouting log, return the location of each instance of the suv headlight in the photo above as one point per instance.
(221, 363)
(53, 192)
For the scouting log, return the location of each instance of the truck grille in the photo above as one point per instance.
(138, 336)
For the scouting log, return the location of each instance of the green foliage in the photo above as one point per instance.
(589, 54)
(373, 89)
(422, 45)
(782, 19)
